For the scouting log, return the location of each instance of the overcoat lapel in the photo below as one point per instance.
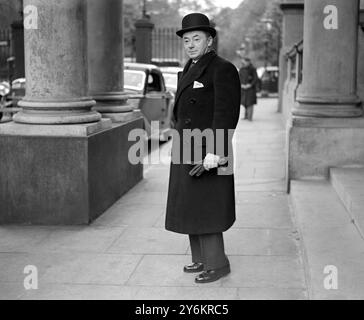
(189, 76)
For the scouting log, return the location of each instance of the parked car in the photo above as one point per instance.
(268, 80)
(148, 92)
(17, 91)
(165, 62)
(14, 93)
(170, 75)
(4, 95)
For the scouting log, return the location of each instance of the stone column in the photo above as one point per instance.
(105, 59)
(144, 28)
(17, 31)
(329, 60)
(292, 33)
(56, 65)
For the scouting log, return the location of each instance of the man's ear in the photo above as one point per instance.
(210, 41)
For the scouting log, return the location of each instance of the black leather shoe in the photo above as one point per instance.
(212, 275)
(194, 267)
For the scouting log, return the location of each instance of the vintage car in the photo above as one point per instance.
(268, 80)
(170, 75)
(5, 103)
(148, 92)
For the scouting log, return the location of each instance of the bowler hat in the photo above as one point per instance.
(196, 21)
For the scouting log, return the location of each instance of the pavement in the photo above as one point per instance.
(127, 253)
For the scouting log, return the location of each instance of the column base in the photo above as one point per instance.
(114, 106)
(328, 110)
(30, 117)
(317, 144)
(67, 130)
(56, 112)
(67, 180)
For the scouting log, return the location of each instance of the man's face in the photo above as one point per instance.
(196, 43)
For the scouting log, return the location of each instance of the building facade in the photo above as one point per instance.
(64, 158)
(322, 85)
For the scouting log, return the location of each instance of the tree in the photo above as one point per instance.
(265, 44)
(233, 26)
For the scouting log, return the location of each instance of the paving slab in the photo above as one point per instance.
(260, 185)
(186, 293)
(271, 294)
(124, 215)
(166, 271)
(149, 241)
(127, 254)
(78, 268)
(262, 242)
(150, 197)
(11, 290)
(265, 271)
(80, 292)
(349, 185)
(333, 247)
(22, 238)
(82, 239)
(260, 215)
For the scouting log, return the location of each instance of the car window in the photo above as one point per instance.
(154, 82)
(134, 80)
(170, 79)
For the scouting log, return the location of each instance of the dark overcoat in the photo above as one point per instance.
(248, 75)
(207, 97)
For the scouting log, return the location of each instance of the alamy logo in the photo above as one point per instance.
(31, 280)
(331, 21)
(30, 17)
(331, 280)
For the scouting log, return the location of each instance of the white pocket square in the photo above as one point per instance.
(197, 85)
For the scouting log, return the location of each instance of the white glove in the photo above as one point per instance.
(211, 161)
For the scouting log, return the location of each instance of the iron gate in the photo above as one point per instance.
(167, 47)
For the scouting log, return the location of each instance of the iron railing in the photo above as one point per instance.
(5, 52)
(166, 46)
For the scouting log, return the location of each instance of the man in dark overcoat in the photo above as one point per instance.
(248, 78)
(207, 100)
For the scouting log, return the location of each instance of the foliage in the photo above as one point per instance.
(265, 44)
(235, 26)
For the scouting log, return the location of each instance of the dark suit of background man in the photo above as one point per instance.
(208, 97)
(248, 78)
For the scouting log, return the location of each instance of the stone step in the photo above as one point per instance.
(349, 185)
(330, 242)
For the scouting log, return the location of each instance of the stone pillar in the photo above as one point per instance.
(105, 59)
(144, 28)
(17, 31)
(292, 33)
(329, 61)
(64, 174)
(56, 66)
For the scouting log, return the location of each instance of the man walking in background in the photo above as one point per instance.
(248, 79)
